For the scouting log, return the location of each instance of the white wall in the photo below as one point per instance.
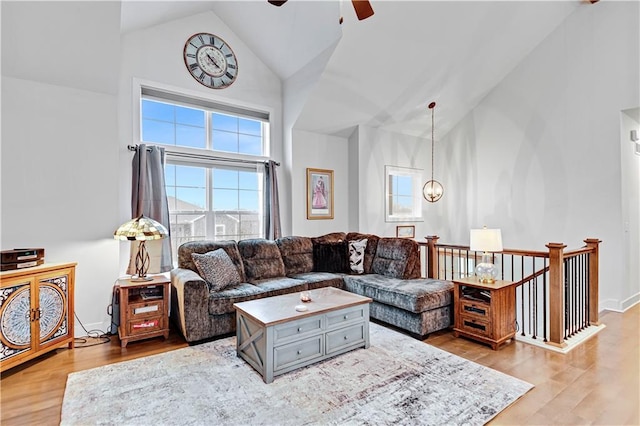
(59, 153)
(154, 56)
(540, 157)
(630, 169)
(59, 141)
(377, 149)
(66, 171)
(317, 151)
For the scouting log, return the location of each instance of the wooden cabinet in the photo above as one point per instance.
(485, 312)
(36, 311)
(144, 309)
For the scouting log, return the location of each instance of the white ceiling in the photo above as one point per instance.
(386, 69)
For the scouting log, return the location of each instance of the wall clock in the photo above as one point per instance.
(210, 60)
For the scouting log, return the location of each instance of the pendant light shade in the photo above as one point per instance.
(432, 191)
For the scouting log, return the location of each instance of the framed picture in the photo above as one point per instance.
(405, 231)
(319, 194)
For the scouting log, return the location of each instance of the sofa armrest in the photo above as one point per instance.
(189, 302)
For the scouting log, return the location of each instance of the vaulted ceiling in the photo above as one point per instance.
(385, 70)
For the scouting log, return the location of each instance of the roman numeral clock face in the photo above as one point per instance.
(210, 60)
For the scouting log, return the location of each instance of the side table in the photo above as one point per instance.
(144, 309)
(485, 312)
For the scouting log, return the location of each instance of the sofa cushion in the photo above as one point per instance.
(217, 269)
(261, 259)
(221, 302)
(184, 254)
(412, 295)
(297, 254)
(331, 256)
(356, 255)
(328, 238)
(321, 279)
(278, 286)
(370, 251)
(397, 258)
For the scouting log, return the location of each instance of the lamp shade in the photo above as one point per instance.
(486, 240)
(141, 228)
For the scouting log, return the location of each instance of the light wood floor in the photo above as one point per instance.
(596, 383)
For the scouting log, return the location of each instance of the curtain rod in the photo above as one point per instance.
(208, 157)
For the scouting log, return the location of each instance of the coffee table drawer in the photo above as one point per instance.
(345, 338)
(284, 332)
(345, 316)
(295, 353)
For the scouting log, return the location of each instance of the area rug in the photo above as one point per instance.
(397, 380)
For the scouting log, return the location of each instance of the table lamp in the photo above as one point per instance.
(141, 229)
(486, 241)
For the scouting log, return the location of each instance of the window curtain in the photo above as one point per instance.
(149, 198)
(272, 228)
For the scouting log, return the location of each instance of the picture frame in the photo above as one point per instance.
(405, 231)
(319, 194)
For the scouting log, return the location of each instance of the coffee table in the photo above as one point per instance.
(274, 338)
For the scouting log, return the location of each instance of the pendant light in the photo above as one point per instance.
(432, 190)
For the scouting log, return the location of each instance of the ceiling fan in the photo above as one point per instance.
(363, 7)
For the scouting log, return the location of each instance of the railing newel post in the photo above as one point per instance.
(556, 294)
(594, 245)
(432, 256)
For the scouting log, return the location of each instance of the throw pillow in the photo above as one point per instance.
(331, 257)
(356, 255)
(217, 269)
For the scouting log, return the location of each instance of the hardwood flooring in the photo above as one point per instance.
(596, 383)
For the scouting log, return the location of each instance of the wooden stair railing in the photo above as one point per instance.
(569, 282)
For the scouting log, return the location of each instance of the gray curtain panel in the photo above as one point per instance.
(149, 197)
(272, 228)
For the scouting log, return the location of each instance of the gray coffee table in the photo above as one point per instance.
(274, 338)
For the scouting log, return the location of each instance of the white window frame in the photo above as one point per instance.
(207, 157)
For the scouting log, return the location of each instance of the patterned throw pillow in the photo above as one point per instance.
(217, 269)
(356, 255)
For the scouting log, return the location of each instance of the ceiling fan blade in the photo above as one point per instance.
(277, 2)
(363, 9)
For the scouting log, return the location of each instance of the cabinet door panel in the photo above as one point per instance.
(15, 319)
(53, 315)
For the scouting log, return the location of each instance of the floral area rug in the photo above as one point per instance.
(397, 380)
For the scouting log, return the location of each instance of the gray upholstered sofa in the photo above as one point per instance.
(390, 276)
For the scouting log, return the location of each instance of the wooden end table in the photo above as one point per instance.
(485, 312)
(144, 309)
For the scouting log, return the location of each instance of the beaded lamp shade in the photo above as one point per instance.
(141, 229)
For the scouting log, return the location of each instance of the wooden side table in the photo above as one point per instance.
(485, 312)
(144, 309)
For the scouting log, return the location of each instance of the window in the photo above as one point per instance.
(402, 188)
(214, 187)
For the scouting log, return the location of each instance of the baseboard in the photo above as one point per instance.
(619, 306)
(630, 302)
(571, 343)
(609, 305)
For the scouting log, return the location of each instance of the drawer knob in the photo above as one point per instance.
(346, 317)
(346, 338)
(299, 329)
(299, 352)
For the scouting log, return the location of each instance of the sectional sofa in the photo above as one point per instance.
(384, 269)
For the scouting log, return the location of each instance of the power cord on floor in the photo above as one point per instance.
(99, 337)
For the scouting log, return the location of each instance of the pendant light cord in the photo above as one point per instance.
(432, 106)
